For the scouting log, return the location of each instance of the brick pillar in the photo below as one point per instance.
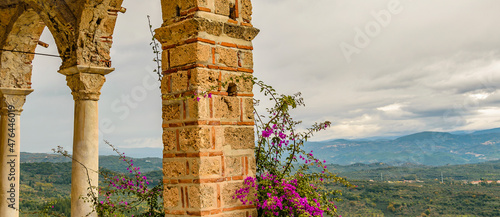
(208, 144)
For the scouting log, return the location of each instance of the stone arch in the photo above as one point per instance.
(82, 29)
(21, 34)
(83, 32)
(208, 143)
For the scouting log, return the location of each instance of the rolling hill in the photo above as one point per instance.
(427, 148)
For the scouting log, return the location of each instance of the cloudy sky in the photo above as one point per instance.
(373, 68)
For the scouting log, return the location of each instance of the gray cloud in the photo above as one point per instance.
(434, 66)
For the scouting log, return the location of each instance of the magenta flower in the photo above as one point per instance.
(266, 133)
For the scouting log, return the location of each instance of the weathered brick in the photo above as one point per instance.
(194, 139)
(248, 109)
(246, 59)
(222, 7)
(228, 191)
(240, 32)
(239, 137)
(169, 140)
(204, 79)
(190, 54)
(227, 56)
(194, 167)
(197, 109)
(165, 84)
(165, 60)
(234, 166)
(174, 168)
(108, 25)
(239, 213)
(242, 85)
(210, 166)
(226, 107)
(246, 10)
(169, 7)
(171, 111)
(179, 81)
(171, 197)
(252, 166)
(202, 196)
(219, 137)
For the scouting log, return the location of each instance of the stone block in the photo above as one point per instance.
(242, 85)
(227, 56)
(228, 191)
(240, 32)
(246, 59)
(108, 25)
(171, 197)
(210, 166)
(176, 33)
(171, 111)
(169, 140)
(241, 213)
(234, 166)
(211, 27)
(194, 139)
(170, 8)
(190, 54)
(197, 109)
(174, 168)
(194, 167)
(204, 79)
(222, 7)
(226, 107)
(246, 10)
(165, 85)
(179, 81)
(248, 114)
(239, 137)
(202, 196)
(252, 166)
(219, 137)
(165, 65)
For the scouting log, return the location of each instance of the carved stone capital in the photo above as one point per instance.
(85, 82)
(13, 99)
(85, 86)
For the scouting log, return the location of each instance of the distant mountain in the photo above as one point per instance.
(426, 148)
(495, 130)
(109, 162)
(134, 152)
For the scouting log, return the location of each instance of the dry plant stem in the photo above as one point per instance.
(156, 51)
(65, 154)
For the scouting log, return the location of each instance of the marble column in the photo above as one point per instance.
(85, 84)
(11, 103)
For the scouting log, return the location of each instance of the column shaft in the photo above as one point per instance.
(85, 83)
(12, 101)
(86, 152)
(9, 170)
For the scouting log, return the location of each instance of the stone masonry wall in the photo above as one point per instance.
(208, 144)
(20, 30)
